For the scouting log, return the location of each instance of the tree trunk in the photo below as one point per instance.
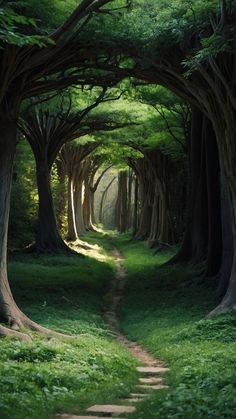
(87, 207)
(227, 238)
(79, 219)
(229, 301)
(194, 246)
(129, 199)
(48, 238)
(121, 203)
(136, 194)
(9, 312)
(145, 219)
(214, 248)
(72, 231)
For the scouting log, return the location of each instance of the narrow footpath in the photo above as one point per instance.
(150, 368)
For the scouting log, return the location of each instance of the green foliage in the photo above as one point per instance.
(41, 378)
(28, 22)
(14, 28)
(210, 48)
(166, 317)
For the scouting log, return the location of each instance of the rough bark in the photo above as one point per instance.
(72, 230)
(79, 219)
(9, 311)
(194, 244)
(227, 239)
(229, 301)
(136, 206)
(121, 203)
(48, 238)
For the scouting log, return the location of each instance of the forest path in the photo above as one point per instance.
(112, 300)
(150, 368)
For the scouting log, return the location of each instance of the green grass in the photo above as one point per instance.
(167, 318)
(43, 377)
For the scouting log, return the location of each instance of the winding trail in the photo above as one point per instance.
(113, 299)
(150, 368)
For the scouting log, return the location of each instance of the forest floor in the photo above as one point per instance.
(44, 377)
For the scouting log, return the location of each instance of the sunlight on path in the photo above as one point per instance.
(90, 250)
(150, 368)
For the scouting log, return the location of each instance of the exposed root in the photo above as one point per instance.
(220, 309)
(62, 249)
(20, 326)
(5, 332)
(35, 327)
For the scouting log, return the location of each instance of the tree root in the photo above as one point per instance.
(5, 332)
(35, 327)
(20, 325)
(220, 309)
(51, 250)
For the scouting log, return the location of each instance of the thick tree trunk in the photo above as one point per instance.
(87, 207)
(145, 218)
(9, 312)
(194, 246)
(72, 234)
(136, 202)
(129, 199)
(146, 201)
(92, 210)
(229, 301)
(48, 238)
(214, 248)
(121, 203)
(79, 219)
(227, 238)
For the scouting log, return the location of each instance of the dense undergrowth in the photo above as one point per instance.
(43, 377)
(167, 318)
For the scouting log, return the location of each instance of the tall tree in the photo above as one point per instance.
(28, 69)
(47, 131)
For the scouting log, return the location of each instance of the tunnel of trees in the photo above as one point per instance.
(118, 115)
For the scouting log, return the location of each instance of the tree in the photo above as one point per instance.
(26, 71)
(191, 51)
(47, 131)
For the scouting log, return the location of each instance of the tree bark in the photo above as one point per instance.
(48, 238)
(229, 301)
(9, 311)
(79, 219)
(121, 203)
(136, 205)
(194, 246)
(72, 234)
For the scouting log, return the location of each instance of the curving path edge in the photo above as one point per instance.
(150, 368)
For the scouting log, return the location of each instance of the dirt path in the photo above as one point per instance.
(150, 368)
(113, 299)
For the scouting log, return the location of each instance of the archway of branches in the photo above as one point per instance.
(156, 100)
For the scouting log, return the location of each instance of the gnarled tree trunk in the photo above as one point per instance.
(9, 311)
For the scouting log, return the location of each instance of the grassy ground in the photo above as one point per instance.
(166, 318)
(42, 377)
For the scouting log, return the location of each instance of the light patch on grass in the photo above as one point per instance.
(41, 378)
